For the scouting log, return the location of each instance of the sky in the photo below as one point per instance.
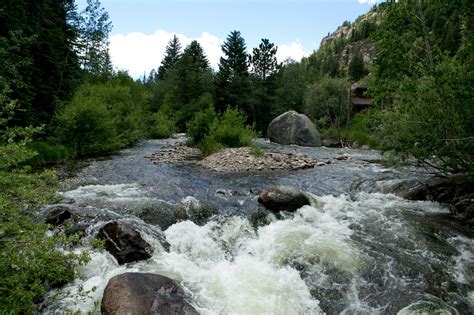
(142, 28)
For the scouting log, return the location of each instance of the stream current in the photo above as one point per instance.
(357, 250)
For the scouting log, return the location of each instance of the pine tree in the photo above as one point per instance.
(94, 26)
(193, 79)
(172, 55)
(264, 68)
(263, 59)
(37, 58)
(233, 82)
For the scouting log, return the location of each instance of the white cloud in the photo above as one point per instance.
(367, 1)
(139, 53)
(294, 51)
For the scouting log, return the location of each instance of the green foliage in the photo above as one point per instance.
(163, 126)
(94, 27)
(200, 127)
(356, 69)
(263, 59)
(171, 57)
(38, 60)
(231, 130)
(210, 133)
(365, 127)
(233, 82)
(257, 151)
(103, 117)
(30, 263)
(329, 101)
(48, 153)
(433, 119)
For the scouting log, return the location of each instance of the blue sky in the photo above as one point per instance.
(142, 28)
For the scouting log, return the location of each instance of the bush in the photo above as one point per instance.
(365, 127)
(211, 133)
(162, 126)
(200, 127)
(48, 153)
(231, 130)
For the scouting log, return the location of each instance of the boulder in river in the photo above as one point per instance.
(293, 128)
(144, 293)
(57, 215)
(124, 242)
(283, 198)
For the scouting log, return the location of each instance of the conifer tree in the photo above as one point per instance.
(233, 82)
(263, 59)
(172, 55)
(356, 68)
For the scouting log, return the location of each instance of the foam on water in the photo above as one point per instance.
(226, 266)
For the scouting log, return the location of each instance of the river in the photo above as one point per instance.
(357, 250)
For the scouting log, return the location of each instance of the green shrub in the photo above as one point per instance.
(365, 127)
(200, 127)
(162, 126)
(209, 145)
(210, 133)
(231, 130)
(48, 153)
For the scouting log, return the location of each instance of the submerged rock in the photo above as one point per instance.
(283, 198)
(124, 243)
(144, 293)
(293, 128)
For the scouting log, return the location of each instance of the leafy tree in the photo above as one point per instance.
(94, 28)
(290, 87)
(233, 83)
(172, 55)
(328, 101)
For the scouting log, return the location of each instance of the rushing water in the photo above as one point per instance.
(356, 250)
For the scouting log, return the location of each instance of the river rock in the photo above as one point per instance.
(242, 160)
(57, 215)
(124, 243)
(283, 198)
(293, 128)
(144, 293)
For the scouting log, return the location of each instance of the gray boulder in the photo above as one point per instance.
(293, 128)
(283, 198)
(144, 293)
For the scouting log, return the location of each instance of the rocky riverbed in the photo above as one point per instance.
(235, 159)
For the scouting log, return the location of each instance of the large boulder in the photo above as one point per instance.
(124, 242)
(283, 198)
(144, 293)
(293, 128)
